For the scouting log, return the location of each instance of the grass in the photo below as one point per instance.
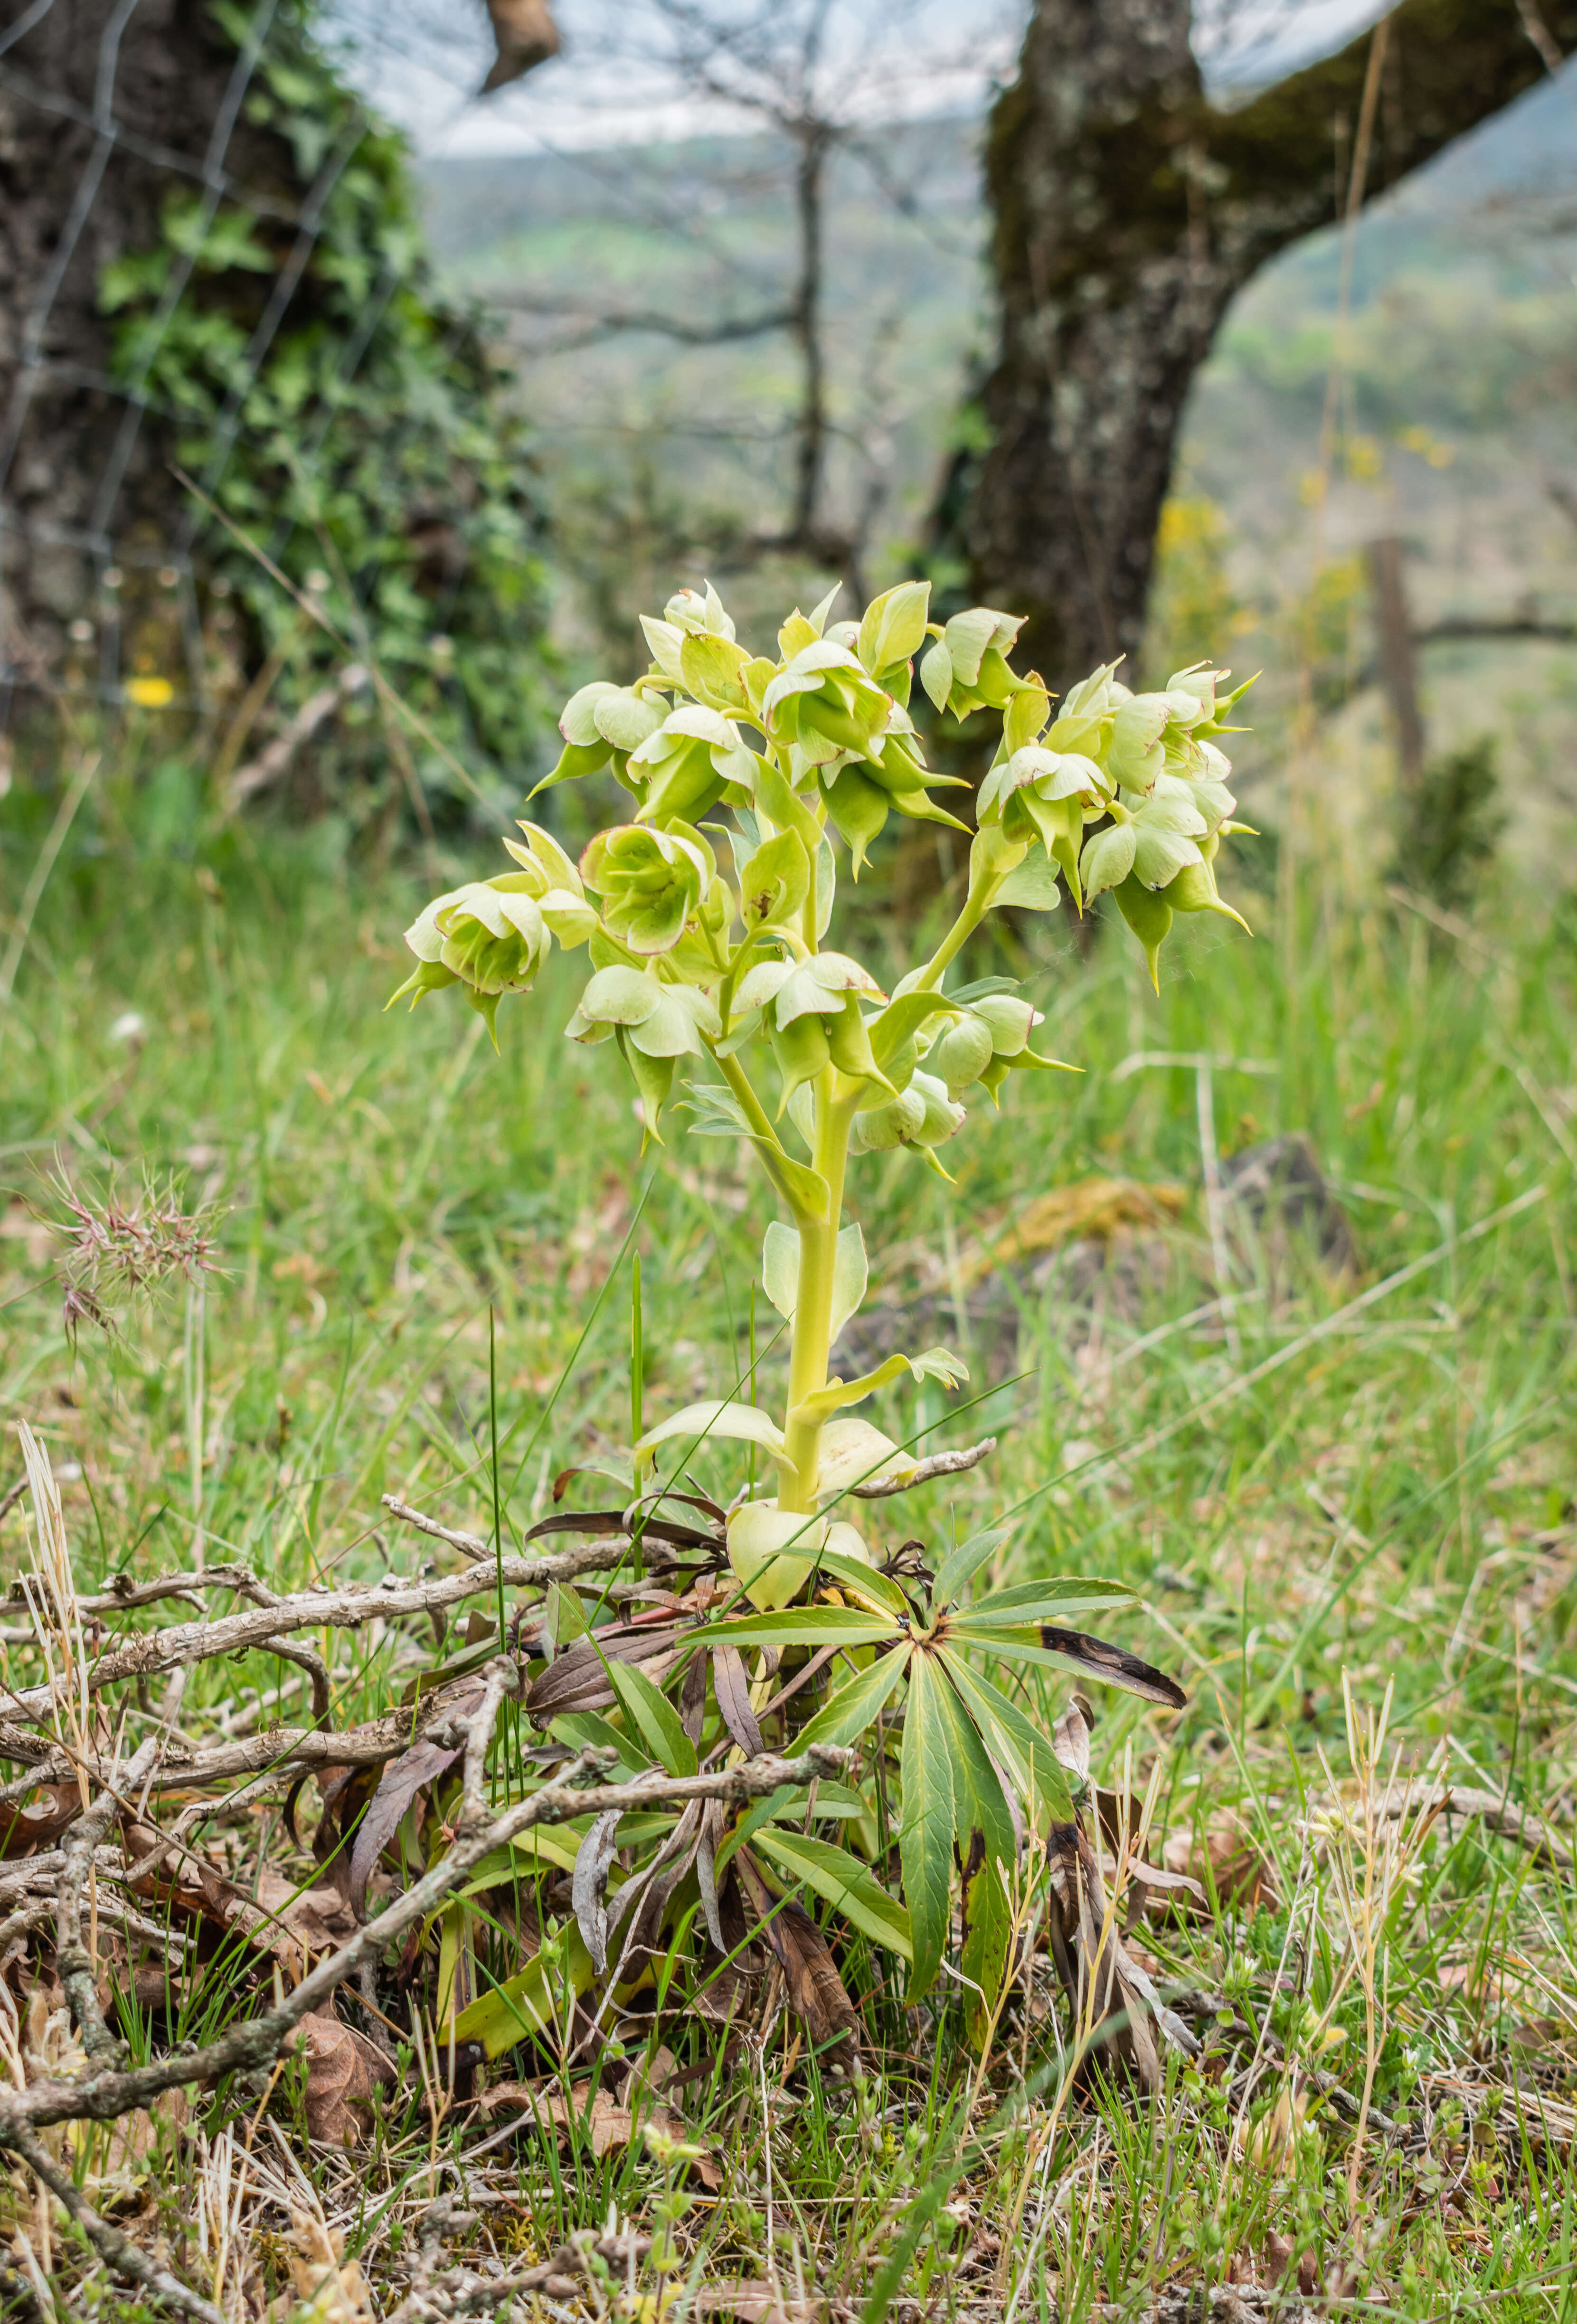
(1375, 1531)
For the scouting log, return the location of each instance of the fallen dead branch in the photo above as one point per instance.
(156, 1651)
(105, 2093)
(1494, 1810)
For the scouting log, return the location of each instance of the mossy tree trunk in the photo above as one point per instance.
(104, 112)
(1129, 211)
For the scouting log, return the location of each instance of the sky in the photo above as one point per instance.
(628, 68)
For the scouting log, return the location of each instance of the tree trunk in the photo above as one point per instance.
(1129, 211)
(105, 107)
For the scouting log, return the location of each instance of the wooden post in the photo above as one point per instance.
(1398, 667)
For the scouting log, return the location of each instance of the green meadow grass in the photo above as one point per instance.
(1370, 1493)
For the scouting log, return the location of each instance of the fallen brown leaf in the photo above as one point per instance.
(610, 2122)
(1227, 1857)
(342, 2070)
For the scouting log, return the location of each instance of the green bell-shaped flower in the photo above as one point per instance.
(828, 703)
(655, 1024)
(650, 882)
(688, 763)
(490, 938)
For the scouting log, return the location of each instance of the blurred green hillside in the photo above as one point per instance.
(1440, 410)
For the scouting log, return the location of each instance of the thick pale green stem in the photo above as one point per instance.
(836, 1099)
(990, 860)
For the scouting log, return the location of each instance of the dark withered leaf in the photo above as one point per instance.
(692, 1697)
(401, 1785)
(578, 1680)
(810, 1975)
(589, 1886)
(733, 1698)
(1112, 1665)
(599, 1522)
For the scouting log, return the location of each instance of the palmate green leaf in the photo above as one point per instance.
(653, 1716)
(987, 1933)
(1071, 1650)
(1052, 1597)
(925, 1840)
(800, 1626)
(845, 1883)
(855, 1705)
(1016, 1743)
(961, 1564)
(983, 1833)
(858, 1575)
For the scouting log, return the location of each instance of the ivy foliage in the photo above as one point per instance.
(366, 440)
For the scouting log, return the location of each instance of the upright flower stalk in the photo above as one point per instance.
(724, 975)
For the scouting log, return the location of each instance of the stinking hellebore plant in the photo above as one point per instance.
(723, 976)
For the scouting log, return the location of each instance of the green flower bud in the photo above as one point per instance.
(1165, 830)
(661, 1020)
(1108, 857)
(921, 1115)
(1135, 754)
(687, 610)
(961, 1054)
(790, 989)
(859, 809)
(802, 1049)
(826, 703)
(553, 881)
(941, 1118)
(650, 882)
(687, 763)
(883, 1127)
(1009, 1021)
(1151, 918)
(894, 627)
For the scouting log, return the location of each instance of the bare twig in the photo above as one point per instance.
(1492, 1809)
(116, 2251)
(101, 2096)
(310, 1609)
(940, 1464)
(271, 762)
(73, 1961)
(501, 1681)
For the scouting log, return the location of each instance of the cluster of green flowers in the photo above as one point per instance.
(817, 743)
